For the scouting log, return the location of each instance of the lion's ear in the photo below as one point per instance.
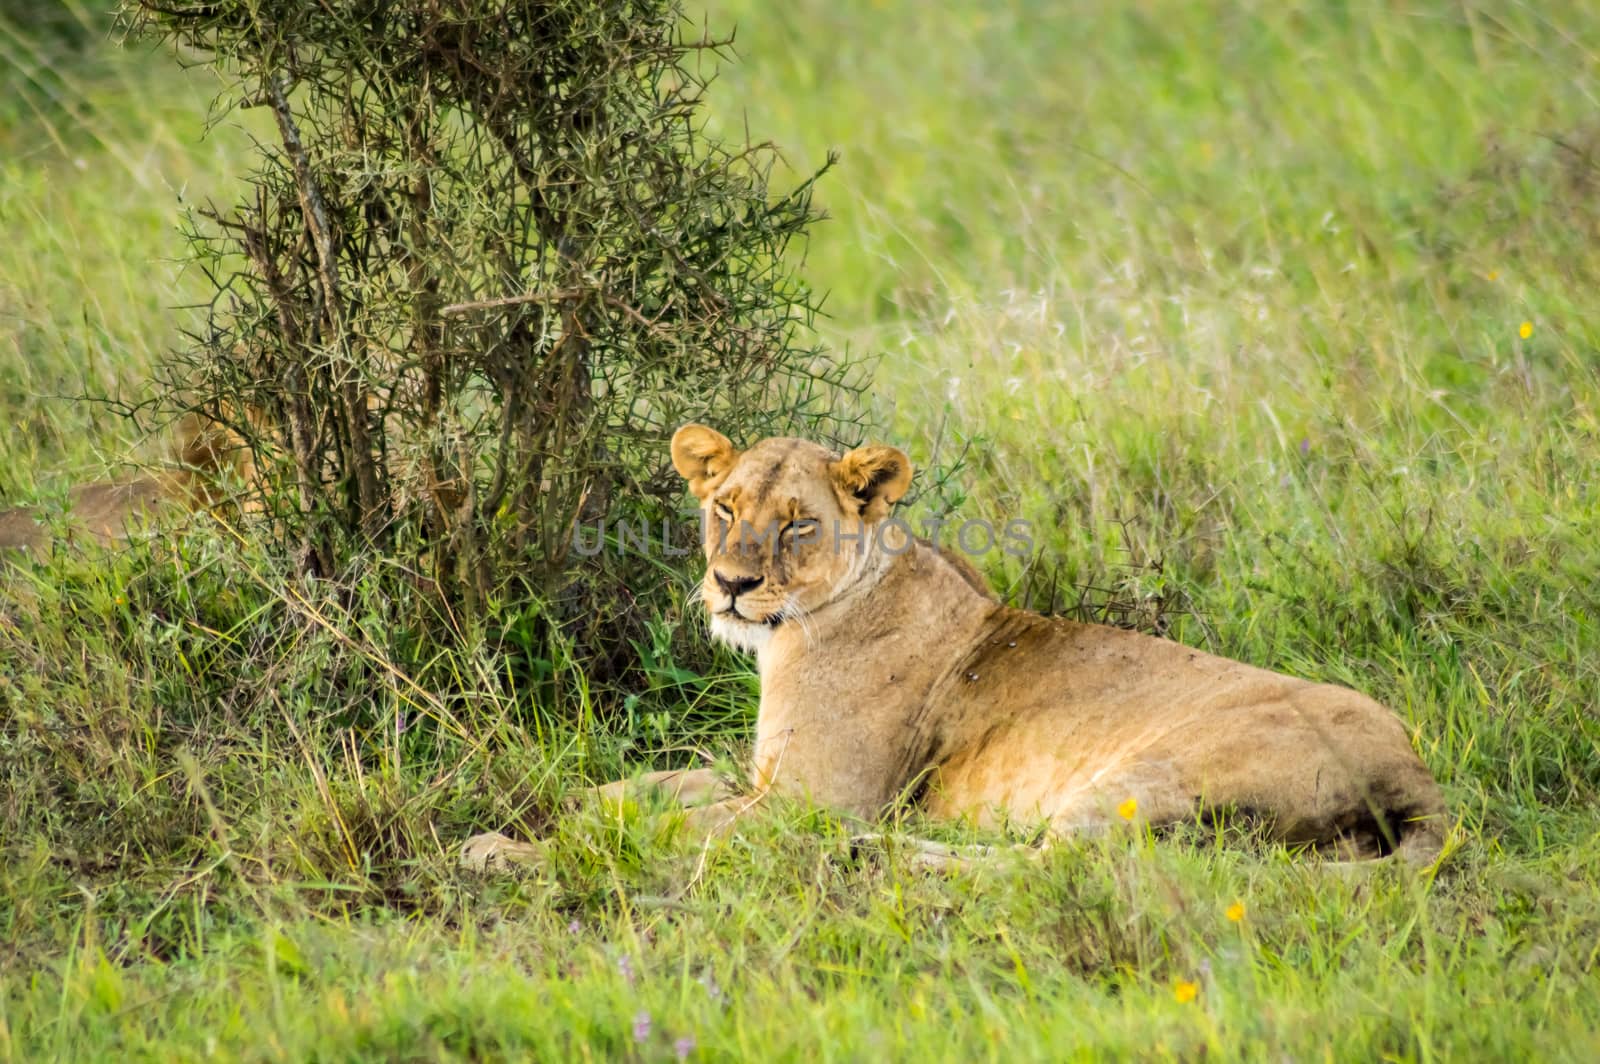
(701, 456)
(873, 477)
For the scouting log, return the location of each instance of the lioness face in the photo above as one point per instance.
(788, 524)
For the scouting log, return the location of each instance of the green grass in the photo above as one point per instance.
(100, 153)
(1225, 300)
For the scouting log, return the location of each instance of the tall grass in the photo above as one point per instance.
(101, 149)
(1277, 321)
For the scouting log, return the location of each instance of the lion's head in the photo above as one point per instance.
(788, 524)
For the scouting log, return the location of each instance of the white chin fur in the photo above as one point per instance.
(741, 635)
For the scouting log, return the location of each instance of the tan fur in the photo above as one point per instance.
(210, 464)
(205, 456)
(889, 675)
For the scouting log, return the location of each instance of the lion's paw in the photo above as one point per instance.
(494, 852)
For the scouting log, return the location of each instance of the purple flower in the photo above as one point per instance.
(684, 1046)
(1305, 445)
(573, 927)
(625, 966)
(641, 1027)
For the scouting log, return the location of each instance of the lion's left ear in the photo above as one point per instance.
(701, 456)
(873, 478)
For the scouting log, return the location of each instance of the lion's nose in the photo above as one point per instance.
(738, 585)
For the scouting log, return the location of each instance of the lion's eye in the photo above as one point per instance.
(804, 529)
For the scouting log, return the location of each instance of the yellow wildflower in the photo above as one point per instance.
(1185, 991)
(1128, 809)
(1236, 911)
(1526, 330)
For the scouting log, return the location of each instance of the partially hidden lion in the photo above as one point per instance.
(888, 673)
(204, 457)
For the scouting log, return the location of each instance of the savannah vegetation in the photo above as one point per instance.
(1277, 322)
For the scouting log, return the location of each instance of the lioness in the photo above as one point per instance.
(887, 672)
(204, 456)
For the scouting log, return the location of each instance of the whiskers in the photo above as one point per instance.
(792, 612)
(751, 631)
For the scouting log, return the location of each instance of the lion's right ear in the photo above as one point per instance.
(701, 456)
